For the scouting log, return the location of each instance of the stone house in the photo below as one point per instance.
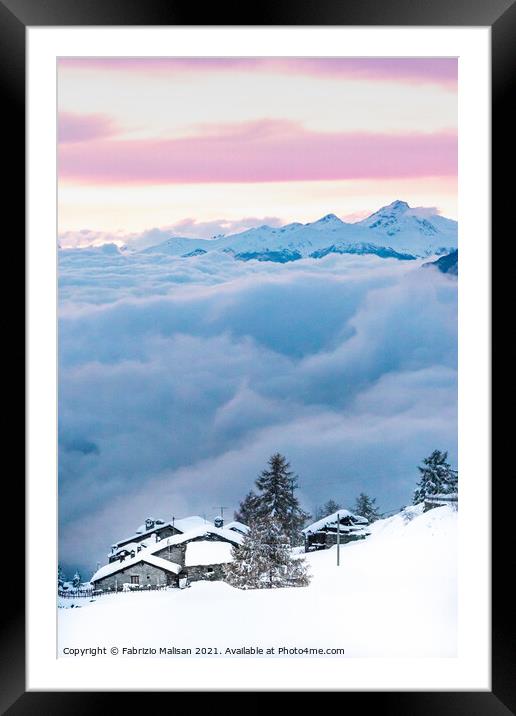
(197, 553)
(323, 533)
(138, 572)
(151, 531)
(205, 559)
(439, 500)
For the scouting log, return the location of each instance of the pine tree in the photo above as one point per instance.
(330, 507)
(248, 510)
(277, 499)
(248, 561)
(76, 582)
(437, 477)
(365, 506)
(61, 578)
(264, 559)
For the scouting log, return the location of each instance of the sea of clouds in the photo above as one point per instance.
(179, 377)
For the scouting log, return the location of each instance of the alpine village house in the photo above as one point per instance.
(174, 553)
(342, 526)
(161, 554)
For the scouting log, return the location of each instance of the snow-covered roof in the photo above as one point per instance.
(201, 531)
(183, 525)
(115, 567)
(163, 563)
(137, 535)
(128, 547)
(157, 523)
(446, 496)
(237, 527)
(206, 552)
(331, 521)
(189, 523)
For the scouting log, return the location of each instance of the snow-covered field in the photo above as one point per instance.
(394, 594)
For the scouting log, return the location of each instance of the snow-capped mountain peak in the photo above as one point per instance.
(418, 230)
(328, 219)
(398, 205)
(387, 214)
(395, 230)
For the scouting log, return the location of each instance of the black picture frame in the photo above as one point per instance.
(500, 16)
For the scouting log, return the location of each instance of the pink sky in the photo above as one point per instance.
(432, 70)
(287, 138)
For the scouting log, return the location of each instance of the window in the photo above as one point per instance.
(135, 579)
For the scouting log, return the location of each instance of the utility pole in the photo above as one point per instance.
(221, 508)
(338, 539)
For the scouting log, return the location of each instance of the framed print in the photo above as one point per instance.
(259, 449)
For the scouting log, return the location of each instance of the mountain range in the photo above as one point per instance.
(394, 231)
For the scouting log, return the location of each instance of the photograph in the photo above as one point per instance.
(258, 270)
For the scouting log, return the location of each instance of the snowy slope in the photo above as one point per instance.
(394, 594)
(178, 246)
(418, 231)
(446, 264)
(396, 231)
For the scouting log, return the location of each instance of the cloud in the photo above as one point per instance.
(262, 151)
(423, 211)
(73, 128)
(188, 227)
(441, 71)
(179, 378)
(205, 229)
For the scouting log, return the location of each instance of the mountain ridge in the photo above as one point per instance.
(394, 231)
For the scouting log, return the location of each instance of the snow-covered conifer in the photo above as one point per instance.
(248, 509)
(365, 506)
(264, 559)
(249, 560)
(61, 578)
(329, 508)
(437, 477)
(277, 499)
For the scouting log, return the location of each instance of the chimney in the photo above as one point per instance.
(218, 522)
